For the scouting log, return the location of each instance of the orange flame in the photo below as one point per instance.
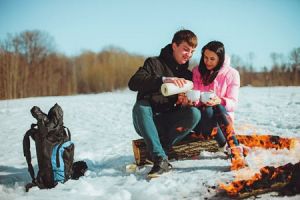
(237, 161)
(268, 175)
(266, 141)
(258, 182)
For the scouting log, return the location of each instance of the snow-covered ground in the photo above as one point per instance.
(102, 130)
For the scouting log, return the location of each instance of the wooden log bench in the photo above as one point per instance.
(193, 144)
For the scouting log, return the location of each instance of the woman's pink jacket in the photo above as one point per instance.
(226, 85)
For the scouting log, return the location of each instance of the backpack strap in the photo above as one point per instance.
(68, 133)
(26, 150)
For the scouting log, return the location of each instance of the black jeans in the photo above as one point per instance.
(218, 118)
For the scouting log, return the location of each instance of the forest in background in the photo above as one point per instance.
(30, 66)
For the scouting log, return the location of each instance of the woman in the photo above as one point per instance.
(215, 74)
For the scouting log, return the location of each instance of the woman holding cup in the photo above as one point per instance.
(219, 85)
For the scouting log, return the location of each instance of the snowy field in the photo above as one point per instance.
(102, 130)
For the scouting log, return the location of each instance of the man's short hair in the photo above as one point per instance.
(185, 36)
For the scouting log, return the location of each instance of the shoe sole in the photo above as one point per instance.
(151, 176)
(155, 175)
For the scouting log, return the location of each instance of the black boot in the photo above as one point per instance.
(160, 166)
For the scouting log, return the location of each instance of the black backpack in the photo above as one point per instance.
(54, 150)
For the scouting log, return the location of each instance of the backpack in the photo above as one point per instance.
(54, 149)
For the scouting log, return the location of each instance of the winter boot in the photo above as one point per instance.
(161, 165)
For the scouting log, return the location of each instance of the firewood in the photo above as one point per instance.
(283, 179)
(274, 188)
(186, 149)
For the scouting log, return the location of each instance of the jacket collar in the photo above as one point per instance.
(167, 55)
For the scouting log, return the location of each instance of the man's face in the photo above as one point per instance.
(182, 52)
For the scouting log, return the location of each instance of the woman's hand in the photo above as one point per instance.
(213, 101)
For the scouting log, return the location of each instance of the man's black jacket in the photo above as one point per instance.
(148, 79)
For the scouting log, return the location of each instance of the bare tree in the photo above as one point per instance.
(295, 56)
(275, 58)
(236, 61)
(33, 45)
(251, 57)
(295, 65)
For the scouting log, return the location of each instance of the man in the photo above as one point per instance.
(156, 118)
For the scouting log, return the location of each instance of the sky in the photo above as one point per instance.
(246, 27)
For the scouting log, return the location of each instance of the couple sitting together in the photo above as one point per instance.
(164, 121)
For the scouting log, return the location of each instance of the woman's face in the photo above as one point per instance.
(211, 59)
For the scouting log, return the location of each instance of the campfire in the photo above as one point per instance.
(285, 179)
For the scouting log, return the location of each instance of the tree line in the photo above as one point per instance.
(282, 72)
(30, 66)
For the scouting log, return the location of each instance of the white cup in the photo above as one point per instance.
(206, 96)
(193, 95)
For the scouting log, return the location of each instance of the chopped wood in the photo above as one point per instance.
(274, 188)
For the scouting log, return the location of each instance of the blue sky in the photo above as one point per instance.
(144, 27)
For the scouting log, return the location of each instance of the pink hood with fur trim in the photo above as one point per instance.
(226, 85)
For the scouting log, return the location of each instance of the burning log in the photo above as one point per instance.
(192, 145)
(284, 179)
(266, 141)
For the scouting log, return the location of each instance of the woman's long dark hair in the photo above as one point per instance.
(208, 76)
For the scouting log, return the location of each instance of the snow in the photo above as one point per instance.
(102, 131)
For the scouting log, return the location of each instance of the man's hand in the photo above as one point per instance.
(183, 100)
(179, 82)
